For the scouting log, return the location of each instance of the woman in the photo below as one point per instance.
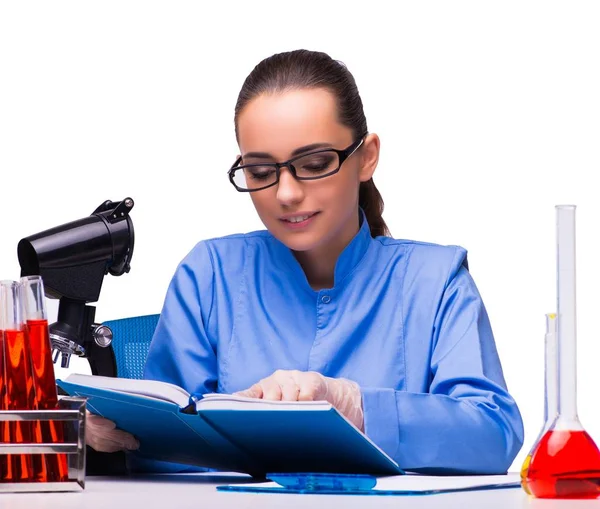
(323, 304)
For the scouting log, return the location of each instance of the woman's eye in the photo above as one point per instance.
(317, 164)
(260, 174)
(316, 167)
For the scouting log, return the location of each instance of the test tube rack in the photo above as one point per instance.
(71, 411)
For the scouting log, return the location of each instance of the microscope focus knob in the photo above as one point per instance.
(102, 335)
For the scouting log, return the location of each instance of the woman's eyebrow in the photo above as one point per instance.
(300, 150)
(308, 148)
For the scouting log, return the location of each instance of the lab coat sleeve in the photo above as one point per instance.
(181, 351)
(467, 422)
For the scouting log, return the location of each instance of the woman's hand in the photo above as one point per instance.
(295, 385)
(102, 435)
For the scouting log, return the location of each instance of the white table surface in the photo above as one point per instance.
(198, 491)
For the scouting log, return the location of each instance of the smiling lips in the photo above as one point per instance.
(299, 220)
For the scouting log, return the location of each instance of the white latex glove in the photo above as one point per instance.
(295, 385)
(101, 434)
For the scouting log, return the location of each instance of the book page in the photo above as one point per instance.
(216, 401)
(153, 389)
(416, 482)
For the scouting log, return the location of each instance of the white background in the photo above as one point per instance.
(488, 113)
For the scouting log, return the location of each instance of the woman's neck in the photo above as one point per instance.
(319, 263)
(319, 268)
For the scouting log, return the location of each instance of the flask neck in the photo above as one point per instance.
(566, 319)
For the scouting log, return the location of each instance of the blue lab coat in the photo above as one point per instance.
(404, 320)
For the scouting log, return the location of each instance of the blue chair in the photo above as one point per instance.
(131, 342)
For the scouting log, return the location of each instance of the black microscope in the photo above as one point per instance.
(73, 259)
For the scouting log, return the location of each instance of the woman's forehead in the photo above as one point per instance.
(280, 122)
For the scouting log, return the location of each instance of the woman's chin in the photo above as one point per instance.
(298, 241)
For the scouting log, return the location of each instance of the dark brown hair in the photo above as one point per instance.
(313, 69)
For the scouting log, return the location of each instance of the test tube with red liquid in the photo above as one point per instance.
(18, 382)
(4, 438)
(54, 467)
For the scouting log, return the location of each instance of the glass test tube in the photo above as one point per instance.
(18, 380)
(5, 459)
(54, 467)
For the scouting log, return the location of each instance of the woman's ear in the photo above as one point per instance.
(369, 157)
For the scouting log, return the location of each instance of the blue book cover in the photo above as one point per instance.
(231, 433)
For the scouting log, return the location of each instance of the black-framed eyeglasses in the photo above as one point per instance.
(311, 166)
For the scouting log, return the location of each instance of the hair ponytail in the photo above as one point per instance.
(370, 200)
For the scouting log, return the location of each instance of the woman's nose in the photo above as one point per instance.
(289, 190)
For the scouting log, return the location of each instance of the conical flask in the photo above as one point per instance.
(550, 388)
(566, 462)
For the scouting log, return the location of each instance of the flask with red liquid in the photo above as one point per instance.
(18, 381)
(550, 388)
(565, 463)
(54, 467)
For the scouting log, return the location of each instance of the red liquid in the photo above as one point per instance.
(565, 464)
(5, 459)
(19, 389)
(54, 467)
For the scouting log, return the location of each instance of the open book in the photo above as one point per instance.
(231, 433)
